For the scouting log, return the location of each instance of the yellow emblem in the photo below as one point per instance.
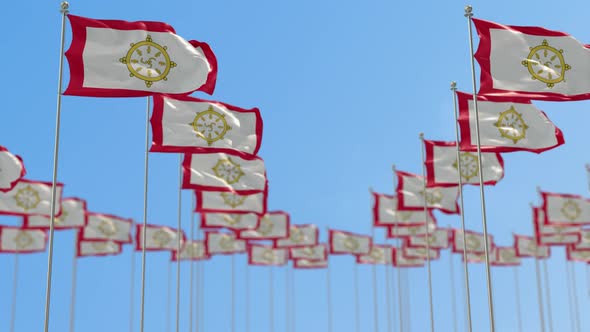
(546, 64)
(233, 200)
(228, 170)
(473, 242)
(308, 252)
(571, 210)
(107, 227)
(511, 125)
(507, 255)
(99, 246)
(27, 198)
(377, 254)
(469, 166)
(226, 242)
(148, 61)
(62, 217)
(23, 240)
(433, 196)
(194, 250)
(296, 235)
(350, 243)
(161, 238)
(268, 256)
(266, 226)
(210, 125)
(232, 219)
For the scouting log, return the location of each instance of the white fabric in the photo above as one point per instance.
(446, 171)
(98, 248)
(193, 250)
(177, 131)
(103, 227)
(474, 257)
(346, 243)
(17, 240)
(579, 255)
(230, 202)
(72, 215)
(379, 255)
(388, 213)
(29, 198)
(506, 255)
(567, 210)
(585, 242)
(310, 264)
(317, 252)
(227, 171)
(528, 247)
(224, 243)
(263, 255)
(439, 239)
(401, 260)
(559, 239)
(395, 232)
(551, 229)
(272, 226)
(10, 169)
(422, 253)
(475, 241)
(159, 238)
(300, 235)
(233, 221)
(439, 197)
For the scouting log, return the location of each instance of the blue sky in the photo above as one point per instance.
(344, 88)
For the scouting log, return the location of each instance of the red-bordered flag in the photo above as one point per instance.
(87, 248)
(30, 198)
(475, 242)
(267, 255)
(584, 243)
(317, 252)
(565, 209)
(218, 243)
(411, 195)
(394, 232)
(527, 246)
(554, 235)
(73, 215)
(235, 222)
(310, 264)
(379, 255)
(191, 251)
(385, 213)
(299, 236)
(157, 238)
(22, 241)
(12, 169)
(349, 243)
(577, 255)
(419, 252)
(506, 256)
(106, 227)
(231, 202)
(272, 226)
(437, 239)
(399, 260)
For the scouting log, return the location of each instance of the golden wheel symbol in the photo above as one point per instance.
(473, 242)
(194, 250)
(148, 61)
(266, 226)
(432, 196)
(308, 252)
(571, 210)
(268, 256)
(532, 246)
(507, 255)
(232, 200)
(27, 198)
(511, 125)
(469, 165)
(23, 240)
(226, 242)
(210, 125)
(228, 170)
(232, 219)
(107, 227)
(296, 235)
(546, 64)
(62, 217)
(162, 238)
(350, 243)
(377, 254)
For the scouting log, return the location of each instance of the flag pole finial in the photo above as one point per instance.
(64, 7)
(453, 85)
(421, 136)
(468, 11)
(393, 167)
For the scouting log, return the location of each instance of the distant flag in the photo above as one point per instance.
(565, 209)
(73, 215)
(12, 169)
(267, 255)
(473, 257)
(272, 226)
(506, 125)
(577, 255)
(309, 264)
(19, 240)
(420, 252)
(399, 260)
(531, 62)
(191, 251)
(107, 227)
(411, 195)
(299, 236)
(527, 247)
(506, 256)
(349, 243)
(187, 124)
(379, 255)
(385, 213)
(109, 58)
(230, 202)
(474, 241)
(157, 238)
(438, 239)
(30, 198)
(442, 168)
(584, 241)
(218, 243)
(231, 221)
(554, 235)
(86, 248)
(394, 232)
(229, 172)
(318, 252)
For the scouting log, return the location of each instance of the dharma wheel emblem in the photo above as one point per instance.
(148, 61)
(546, 64)
(511, 125)
(210, 125)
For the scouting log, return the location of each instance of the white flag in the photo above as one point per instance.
(98, 248)
(223, 243)
(315, 252)
(187, 124)
(394, 232)
(273, 225)
(349, 243)
(411, 195)
(577, 255)
(385, 213)
(527, 247)
(475, 242)
(12, 169)
(230, 221)
(506, 256)
(421, 253)
(438, 239)
(158, 238)
(543, 230)
(107, 227)
(400, 260)
(228, 202)
(299, 236)
(30, 197)
(18, 240)
(565, 209)
(73, 215)
(309, 264)
(474, 257)
(265, 255)
(584, 241)
(380, 254)
(192, 250)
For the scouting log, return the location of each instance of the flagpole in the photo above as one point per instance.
(73, 294)
(569, 295)
(293, 301)
(287, 304)
(465, 262)
(271, 298)
(329, 296)
(427, 238)
(540, 294)
(145, 208)
(399, 285)
(407, 300)
(375, 299)
(453, 299)
(132, 290)
(247, 295)
(575, 295)
(14, 288)
(548, 292)
(357, 315)
(588, 280)
(201, 298)
(517, 295)
(388, 298)
(64, 9)
(168, 297)
(191, 270)
(469, 14)
(178, 242)
(233, 292)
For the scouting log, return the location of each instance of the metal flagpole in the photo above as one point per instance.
(247, 295)
(460, 180)
(191, 270)
(145, 208)
(178, 242)
(168, 296)
(517, 291)
(287, 304)
(233, 292)
(548, 292)
(399, 285)
(588, 279)
(388, 298)
(73, 298)
(64, 9)
(575, 295)
(407, 300)
(375, 299)
(271, 298)
(329, 295)
(469, 14)
(201, 298)
(540, 295)
(132, 290)
(14, 287)
(453, 299)
(427, 238)
(293, 302)
(569, 296)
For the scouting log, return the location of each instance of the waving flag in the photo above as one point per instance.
(438, 239)
(400, 260)
(349, 243)
(191, 251)
(266, 255)
(318, 252)
(506, 125)
(506, 256)
(584, 243)
(187, 124)
(19, 240)
(157, 238)
(299, 236)
(554, 235)
(531, 62)
(30, 197)
(474, 241)
(473, 257)
(394, 232)
(224, 172)
(218, 243)
(107, 227)
(385, 213)
(273, 225)
(234, 222)
(577, 255)
(565, 209)
(73, 215)
(12, 169)
(411, 195)
(527, 247)
(309, 264)
(231, 202)
(442, 167)
(86, 248)
(422, 253)
(111, 58)
(379, 255)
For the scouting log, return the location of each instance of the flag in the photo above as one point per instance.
(299, 236)
(318, 252)
(531, 62)
(506, 256)
(30, 197)
(475, 242)
(565, 209)
(107, 227)
(309, 264)
(442, 168)
(186, 124)
(473, 257)
(157, 238)
(577, 255)
(411, 195)
(527, 247)
(379, 255)
(12, 169)
(385, 213)
(554, 235)
(218, 243)
(506, 125)
(22, 241)
(231, 221)
(394, 232)
(266, 255)
(273, 225)
(422, 253)
(109, 58)
(399, 260)
(231, 202)
(87, 248)
(584, 243)
(349, 243)
(224, 172)
(191, 251)
(438, 239)
(73, 215)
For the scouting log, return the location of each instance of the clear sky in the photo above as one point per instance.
(344, 88)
